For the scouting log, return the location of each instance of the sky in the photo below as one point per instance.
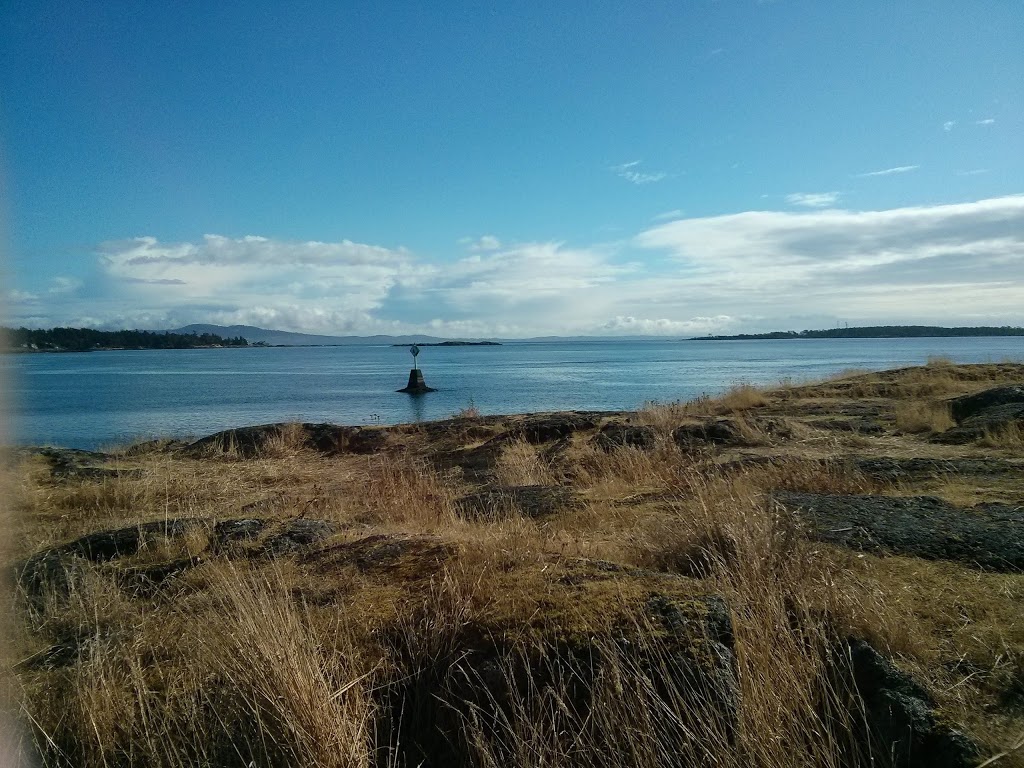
(483, 169)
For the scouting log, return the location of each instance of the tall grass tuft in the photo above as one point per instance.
(240, 679)
(915, 416)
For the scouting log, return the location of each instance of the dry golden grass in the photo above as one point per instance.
(625, 469)
(915, 416)
(239, 676)
(404, 491)
(1008, 437)
(666, 416)
(470, 411)
(730, 534)
(289, 441)
(939, 379)
(521, 463)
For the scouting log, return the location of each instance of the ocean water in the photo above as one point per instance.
(102, 399)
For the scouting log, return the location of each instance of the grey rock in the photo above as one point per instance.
(229, 534)
(75, 464)
(715, 432)
(987, 536)
(967, 406)
(504, 501)
(58, 568)
(422, 555)
(860, 426)
(895, 470)
(900, 716)
(297, 536)
(618, 435)
(548, 427)
(989, 420)
(331, 439)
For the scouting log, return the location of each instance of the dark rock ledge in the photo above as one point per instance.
(988, 536)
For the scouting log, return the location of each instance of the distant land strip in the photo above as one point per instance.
(451, 344)
(875, 332)
(89, 340)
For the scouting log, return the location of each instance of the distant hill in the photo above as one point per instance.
(877, 332)
(255, 335)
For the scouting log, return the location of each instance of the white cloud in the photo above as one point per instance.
(483, 244)
(628, 172)
(63, 286)
(889, 171)
(948, 125)
(905, 262)
(813, 199)
(527, 274)
(16, 296)
(639, 326)
(298, 285)
(973, 172)
(668, 215)
(986, 121)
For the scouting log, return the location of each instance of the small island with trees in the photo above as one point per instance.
(875, 332)
(451, 344)
(89, 340)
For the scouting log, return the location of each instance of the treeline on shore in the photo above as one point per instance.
(877, 332)
(85, 339)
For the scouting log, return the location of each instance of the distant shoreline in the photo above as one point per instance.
(875, 332)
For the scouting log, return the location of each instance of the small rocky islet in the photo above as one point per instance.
(841, 558)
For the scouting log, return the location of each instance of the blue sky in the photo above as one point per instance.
(514, 169)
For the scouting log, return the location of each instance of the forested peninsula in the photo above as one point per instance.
(875, 332)
(87, 339)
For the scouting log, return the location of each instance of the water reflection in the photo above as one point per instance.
(417, 406)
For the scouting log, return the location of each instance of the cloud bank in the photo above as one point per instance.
(753, 270)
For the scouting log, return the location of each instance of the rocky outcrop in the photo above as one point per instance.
(476, 463)
(124, 542)
(297, 536)
(58, 568)
(986, 536)
(731, 431)
(619, 435)
(249, 442)
(860, 426)
(75, 464)
(991, 421)
(905, 469)
(983, 413)
(969, 406)
(477, 695)
(404, 557)
(710, 432)
(902, 728)
(545, 428)
(510, 500)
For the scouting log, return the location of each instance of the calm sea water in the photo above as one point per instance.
(96, 399)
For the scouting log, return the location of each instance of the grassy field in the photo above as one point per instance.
(559, 590)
